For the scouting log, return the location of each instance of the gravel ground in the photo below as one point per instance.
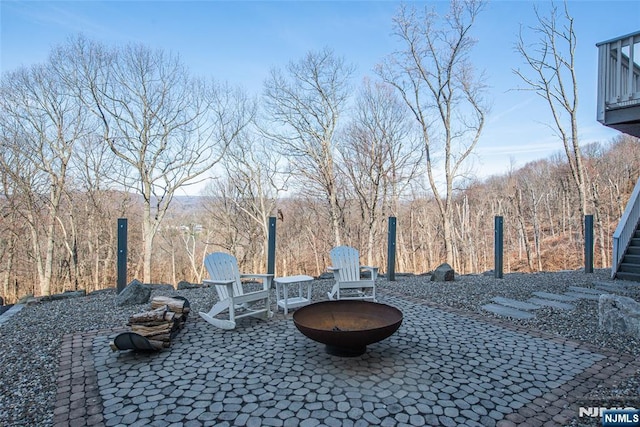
(31, 339)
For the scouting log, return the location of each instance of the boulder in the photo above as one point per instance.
(444, 273)
(183, 284)
(135, 293)
(619, 315)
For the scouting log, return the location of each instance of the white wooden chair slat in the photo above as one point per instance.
(226, 278)
(347, 270)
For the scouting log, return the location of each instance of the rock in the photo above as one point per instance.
(1, 301)
(135, 293)
(25, 299)
(65, 295)
(444, 273)
(183, 284)
(619, 315)
(325, 276)
(160, 286)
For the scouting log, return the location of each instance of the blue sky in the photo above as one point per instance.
(241, 41)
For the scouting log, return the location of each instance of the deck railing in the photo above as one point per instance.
(626, 229)
(618, 73)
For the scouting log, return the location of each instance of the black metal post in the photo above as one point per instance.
(271, 253)
(391, 250)
(122, 254)
(498, 247)
(588, 243)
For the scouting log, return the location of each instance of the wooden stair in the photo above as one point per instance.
(630, 266)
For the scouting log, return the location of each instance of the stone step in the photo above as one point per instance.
(553, 304)
(582, 290)
(583, 295)
(502, 310)
(513, 303)
(614, 288)
(555, 297)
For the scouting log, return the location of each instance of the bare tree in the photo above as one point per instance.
(379, 156)
(436, 80)
(251, 184)
(167, 128)
(95, 208)
(12, 225)
(41, 121)
(552, 76)
(305, 103)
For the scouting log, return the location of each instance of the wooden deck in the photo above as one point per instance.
(619, 83)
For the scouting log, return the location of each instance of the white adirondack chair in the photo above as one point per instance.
(226, 277)
(346, 271)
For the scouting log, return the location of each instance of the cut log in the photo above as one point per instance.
(149, 330)
(157, 315)
(175, 305)
(159, 323)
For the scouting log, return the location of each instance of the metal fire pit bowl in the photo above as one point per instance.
(346, 327)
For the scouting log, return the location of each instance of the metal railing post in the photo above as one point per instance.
(271, 252)
(122, 254)
(588, 243)
(498, 246)
(391, 250)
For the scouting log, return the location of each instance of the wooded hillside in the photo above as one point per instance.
(541, 230)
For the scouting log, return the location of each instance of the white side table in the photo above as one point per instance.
(295, 301)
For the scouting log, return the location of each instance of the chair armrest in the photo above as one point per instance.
(266, 279)
(228, 284)
(256, 276)
(218, 282)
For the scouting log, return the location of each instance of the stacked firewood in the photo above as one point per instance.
(161, 323)
(180, 308)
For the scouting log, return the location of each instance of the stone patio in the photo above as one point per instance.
(442, 367)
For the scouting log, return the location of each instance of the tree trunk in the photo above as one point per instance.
(147, 245)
